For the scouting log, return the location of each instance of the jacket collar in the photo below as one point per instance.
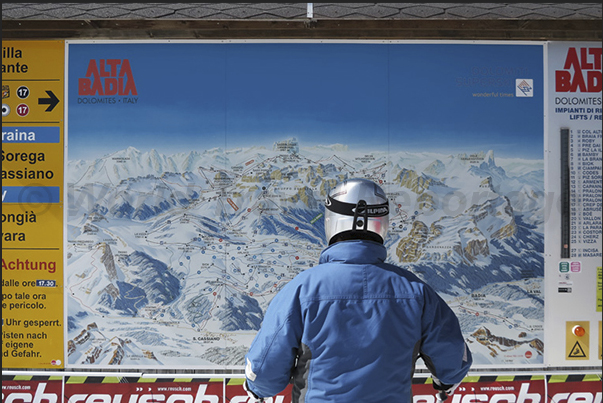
(355, 252)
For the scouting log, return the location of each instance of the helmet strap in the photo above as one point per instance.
(351, 209)
(360, 209)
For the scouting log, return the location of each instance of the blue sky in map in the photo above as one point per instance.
(440, 97)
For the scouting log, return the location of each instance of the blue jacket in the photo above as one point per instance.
(350, 330)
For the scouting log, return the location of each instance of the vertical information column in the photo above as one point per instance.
(32, 204)
(586, 191)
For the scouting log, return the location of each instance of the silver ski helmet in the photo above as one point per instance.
(356, 208)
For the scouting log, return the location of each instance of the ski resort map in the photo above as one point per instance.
(197, 174)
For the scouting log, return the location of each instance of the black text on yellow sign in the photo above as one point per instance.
(35, 226)
(35, 163)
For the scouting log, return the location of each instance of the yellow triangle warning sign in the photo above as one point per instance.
(577, 351)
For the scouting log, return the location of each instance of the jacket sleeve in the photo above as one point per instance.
(443, 347)
(271, 357)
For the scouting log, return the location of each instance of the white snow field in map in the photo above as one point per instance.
(173, 259)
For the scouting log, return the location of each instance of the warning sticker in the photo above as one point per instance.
(577, 351)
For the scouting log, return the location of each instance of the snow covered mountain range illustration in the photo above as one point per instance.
(194, 245)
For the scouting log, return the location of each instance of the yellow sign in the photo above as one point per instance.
(600, 338)
(32, 204)
(32, 314)
(577, 334)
